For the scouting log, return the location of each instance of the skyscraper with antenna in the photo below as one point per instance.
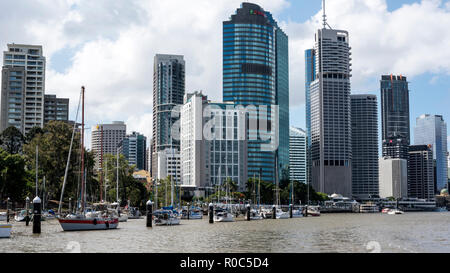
(328, 110)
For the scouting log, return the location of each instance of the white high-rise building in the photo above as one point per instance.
(330, 113)
(393, 178)
(23, 87)
(297, 155)
(169, 165)
(213, 144)
(106, 139)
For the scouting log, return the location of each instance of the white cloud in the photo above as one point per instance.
(116, 65)
(116, 41)
(411, 40)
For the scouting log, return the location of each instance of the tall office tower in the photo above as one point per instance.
(213, 144)
(329, 91)
(55, 109)
(393, 177)
(168, 92)
(298, 155)
(106, 139)
(23, 87)
(256, 72)
(365, 173)
(395, 116)
(421, 172)
(310, 76)
(134, 148)
(433, 130)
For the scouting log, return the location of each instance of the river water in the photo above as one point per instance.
(361, 233)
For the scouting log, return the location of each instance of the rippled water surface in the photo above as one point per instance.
(411, 232)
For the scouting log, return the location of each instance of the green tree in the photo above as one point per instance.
(12, 140)
(32, 133)
(53, 146)
(15, 181)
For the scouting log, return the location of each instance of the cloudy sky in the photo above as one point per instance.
(109, 46)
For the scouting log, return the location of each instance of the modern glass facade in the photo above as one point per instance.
(421, 172)
(256, 72)
(134, 148)
(365, 169)
(432, 130)
(395, 116)
(310, 76)
(168, 92)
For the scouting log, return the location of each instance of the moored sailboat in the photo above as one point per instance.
(82, 220)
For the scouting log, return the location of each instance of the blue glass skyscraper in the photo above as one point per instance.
(432, 130)
(256, 72)
(310, 76)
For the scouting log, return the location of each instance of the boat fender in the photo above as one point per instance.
(95, 222)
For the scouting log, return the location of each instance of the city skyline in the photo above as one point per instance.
(68, 67)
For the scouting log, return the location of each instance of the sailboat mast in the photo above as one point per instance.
(259, 189)
(37, 169)
(171, 185)
(68, 161)
(220, 184)
(117, 177)
(82, 152)
(106, 177)
(43, 195)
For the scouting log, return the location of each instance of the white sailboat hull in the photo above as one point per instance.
(282, 215)
(88, 224)
(224, 218)
(123, 218)
(19, 218)
(167, 222)
(297, 214)
(5, 230)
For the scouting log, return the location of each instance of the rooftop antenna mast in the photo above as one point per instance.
(325, 24)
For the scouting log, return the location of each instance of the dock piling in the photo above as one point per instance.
(211, 213)
(27, 207)
(188, 212)
(274, 212)
(291, 211)
(37, 215)
(248, 212)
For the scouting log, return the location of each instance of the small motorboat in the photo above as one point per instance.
(3, 216)
(21, 216)
(313, 211)
(134, 213)
(385, 210)
(256, 215)
(49, 215)
(166, 217)
(395, 212)
(194, 214)
(221, 215)
(280, 214)
(297, 213)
